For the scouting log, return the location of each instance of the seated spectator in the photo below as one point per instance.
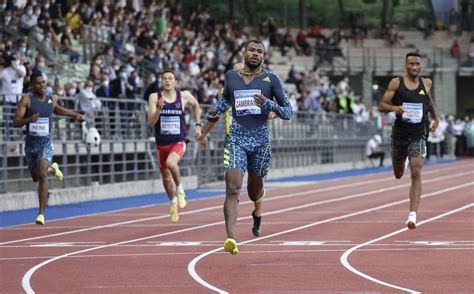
(294, 79)
(66, 46)
(287, 43)
(372, 149)
(28, 21)
(455, 49)
(302, 41)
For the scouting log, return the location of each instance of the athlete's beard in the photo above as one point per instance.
(253, 66)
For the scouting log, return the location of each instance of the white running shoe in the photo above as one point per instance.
(411, 220)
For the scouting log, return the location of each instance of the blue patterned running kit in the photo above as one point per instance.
(247, 145)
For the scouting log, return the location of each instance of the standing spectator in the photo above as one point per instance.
(458, 128)
(88, 103)
(12, 81)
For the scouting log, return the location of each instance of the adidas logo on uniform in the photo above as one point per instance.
(50, 101)
(422, 92)
(267, 79)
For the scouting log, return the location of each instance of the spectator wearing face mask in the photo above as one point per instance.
(40, 65)
(59, 90)
(12, 85)
(73, 19)
(28, 20)
(87, 102)
(122, 89)
(12, 79)
(104, 88)
(7, 18)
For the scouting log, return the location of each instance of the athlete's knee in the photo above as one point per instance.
(166, 175)
(42, 176)
(171, 164)
(415, 173)
(233, 189)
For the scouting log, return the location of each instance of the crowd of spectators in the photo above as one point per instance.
(140, 43)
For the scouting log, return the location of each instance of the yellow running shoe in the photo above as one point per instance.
(231, 246)
(57, 172)
(174, 216)
(182, 199)
(39, 219)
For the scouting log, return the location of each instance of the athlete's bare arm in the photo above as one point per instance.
(59, 110)
(154, 107)
(19, 119)
(189, 99)
(431, 106)
(386, 103)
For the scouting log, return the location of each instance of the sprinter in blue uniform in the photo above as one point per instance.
(410, 98)
(35, 110)
(249, 93)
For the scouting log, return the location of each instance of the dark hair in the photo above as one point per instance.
(415, 54)
(253, 41)
(35, 74)
(168, 71)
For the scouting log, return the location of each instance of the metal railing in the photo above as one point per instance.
(127, 150)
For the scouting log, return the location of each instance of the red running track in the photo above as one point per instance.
(343, 235)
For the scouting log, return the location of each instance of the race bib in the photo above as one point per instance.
(413, 112)
(39, 128)
(170, 125)
(245, 103)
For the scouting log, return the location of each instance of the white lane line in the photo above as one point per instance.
(26, 278)
(193, 263)
(360, 183)
(346, 254)
(202, 210)
(244, 252)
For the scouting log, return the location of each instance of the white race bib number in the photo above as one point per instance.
(170, 125)
(39, 128)
(413, 112)
(245, 103)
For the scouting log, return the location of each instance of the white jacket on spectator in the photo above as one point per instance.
(87, 102)
(12, 82)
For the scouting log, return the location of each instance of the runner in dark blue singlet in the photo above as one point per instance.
(35, 110)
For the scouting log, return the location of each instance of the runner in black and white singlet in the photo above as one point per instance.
(35, 110)
(410, 98)
(166, 115)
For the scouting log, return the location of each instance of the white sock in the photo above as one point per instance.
(412, 214)
(179, 188)
(174, 201)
